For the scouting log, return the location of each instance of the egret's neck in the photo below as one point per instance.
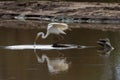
(44, 57)
(43, 35)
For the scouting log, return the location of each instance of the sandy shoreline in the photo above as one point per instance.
(62, 8)
(72, 9)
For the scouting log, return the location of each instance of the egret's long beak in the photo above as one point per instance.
(36, 38)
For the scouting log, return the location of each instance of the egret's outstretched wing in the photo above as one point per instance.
(61, 26)
(58, 28)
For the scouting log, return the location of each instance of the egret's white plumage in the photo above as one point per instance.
(53, 28)
(57, 28)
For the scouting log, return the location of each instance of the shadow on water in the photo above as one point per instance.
(18, 60)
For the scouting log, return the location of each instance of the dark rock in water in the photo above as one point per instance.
(105, 45)
(67, 46)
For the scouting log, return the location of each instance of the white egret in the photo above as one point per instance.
(54, 65)
(53, 28)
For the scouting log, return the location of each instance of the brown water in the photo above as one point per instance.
(85, 64)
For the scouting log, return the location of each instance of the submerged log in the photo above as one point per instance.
(65, 19)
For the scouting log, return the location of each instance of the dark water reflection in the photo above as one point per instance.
(86, 64)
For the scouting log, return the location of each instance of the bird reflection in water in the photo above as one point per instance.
(56, 65)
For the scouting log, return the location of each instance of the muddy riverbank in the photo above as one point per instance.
(48, 8)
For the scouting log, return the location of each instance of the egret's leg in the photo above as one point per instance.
(36, 38)
(60, 38)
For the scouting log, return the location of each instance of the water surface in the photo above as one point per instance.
(85, 64)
